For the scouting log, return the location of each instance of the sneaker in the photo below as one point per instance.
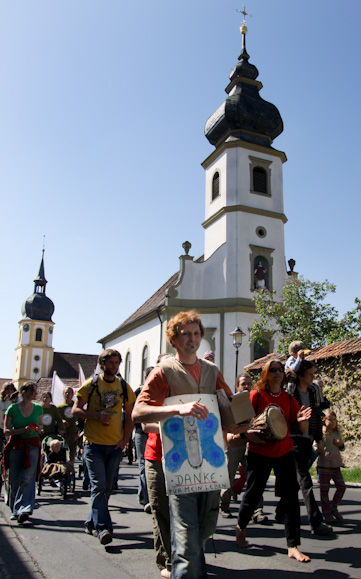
(53, 483)
(336, 513)
(226, 513)
(13, 518)
(147, 508)
(105, 537)
(23, 517)
(322, 529)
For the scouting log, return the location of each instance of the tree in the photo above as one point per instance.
(302, 314)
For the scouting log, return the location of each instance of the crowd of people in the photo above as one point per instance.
(106, 409)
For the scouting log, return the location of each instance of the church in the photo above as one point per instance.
(243, 238)
(35, 358)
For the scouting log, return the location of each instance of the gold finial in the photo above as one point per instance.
(43, 244)
(244, 28)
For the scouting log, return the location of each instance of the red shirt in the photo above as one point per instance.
(290, 408)
(153, 449)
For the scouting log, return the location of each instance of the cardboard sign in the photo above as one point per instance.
(237, 410)
(193, 450)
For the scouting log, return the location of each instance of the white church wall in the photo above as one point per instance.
(215, 236)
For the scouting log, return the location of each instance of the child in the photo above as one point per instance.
(297, 353)
(329, 464)
(56, 465)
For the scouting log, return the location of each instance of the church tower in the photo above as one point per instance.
(244, 187)
(34, 352)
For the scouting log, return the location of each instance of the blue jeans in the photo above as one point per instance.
(102, 462)
(193, 518)
(22, 481)
(140, 440)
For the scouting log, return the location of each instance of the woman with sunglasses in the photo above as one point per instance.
(263, 456)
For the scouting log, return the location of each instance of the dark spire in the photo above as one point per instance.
(244, 115)
(40, 281)
(38, 306)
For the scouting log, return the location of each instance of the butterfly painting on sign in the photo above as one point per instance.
(193, 450)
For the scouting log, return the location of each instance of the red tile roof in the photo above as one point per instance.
(337, 349)
(258, 364)
(352, 346)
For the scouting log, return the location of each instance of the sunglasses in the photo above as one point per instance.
(274, 370)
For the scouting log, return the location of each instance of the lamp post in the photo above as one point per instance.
(237, 342)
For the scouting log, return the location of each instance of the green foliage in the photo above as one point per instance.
(349, 474)
(301, 314)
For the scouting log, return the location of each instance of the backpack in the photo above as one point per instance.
(94, 386)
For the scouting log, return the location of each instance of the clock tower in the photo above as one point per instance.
(34, 352)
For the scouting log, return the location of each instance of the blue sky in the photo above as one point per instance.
(102, 112)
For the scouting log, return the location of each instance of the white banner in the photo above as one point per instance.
(193, 450)
(57, 390)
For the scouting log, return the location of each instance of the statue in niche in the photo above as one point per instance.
(260, 273)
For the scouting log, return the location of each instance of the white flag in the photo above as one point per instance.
(57, 390)
(81, 376)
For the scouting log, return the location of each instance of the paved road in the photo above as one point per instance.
(54, 544)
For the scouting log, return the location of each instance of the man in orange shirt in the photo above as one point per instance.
(193, 516)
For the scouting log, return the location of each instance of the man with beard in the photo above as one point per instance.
(105, 437)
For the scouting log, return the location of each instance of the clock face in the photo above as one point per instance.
(26, 327)
(50, 330)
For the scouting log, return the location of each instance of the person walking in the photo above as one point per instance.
(23, 424)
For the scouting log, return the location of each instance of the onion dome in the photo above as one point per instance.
(38, 306)
(244, 114)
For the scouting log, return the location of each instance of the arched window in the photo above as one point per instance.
(127, 368)
(144, 363)
(260, 180)
(38, 335)
(215, 185)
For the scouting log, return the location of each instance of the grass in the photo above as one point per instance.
(349, 474)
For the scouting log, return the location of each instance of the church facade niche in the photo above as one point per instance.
(261, 262)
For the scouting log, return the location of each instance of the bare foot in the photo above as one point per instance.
(295, 553)
(241, 538)
(165, 573)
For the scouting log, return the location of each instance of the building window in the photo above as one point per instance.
(260, 180)
(38, 335)
(215, 186)
(36, 358)
(144, 363)
(260, 176)
(127, 367)
(36, 370)
(260, 351)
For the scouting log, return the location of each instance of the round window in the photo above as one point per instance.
(261, 232)
(36, 358)
(36, 370)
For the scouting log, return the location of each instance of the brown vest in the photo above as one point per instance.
(181, 382)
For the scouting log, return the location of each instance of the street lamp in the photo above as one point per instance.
(237, 342)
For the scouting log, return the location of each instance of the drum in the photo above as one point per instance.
(271, 423)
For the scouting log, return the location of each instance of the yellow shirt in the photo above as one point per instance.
(111, 396)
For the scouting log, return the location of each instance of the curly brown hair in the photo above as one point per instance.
(182, 319)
